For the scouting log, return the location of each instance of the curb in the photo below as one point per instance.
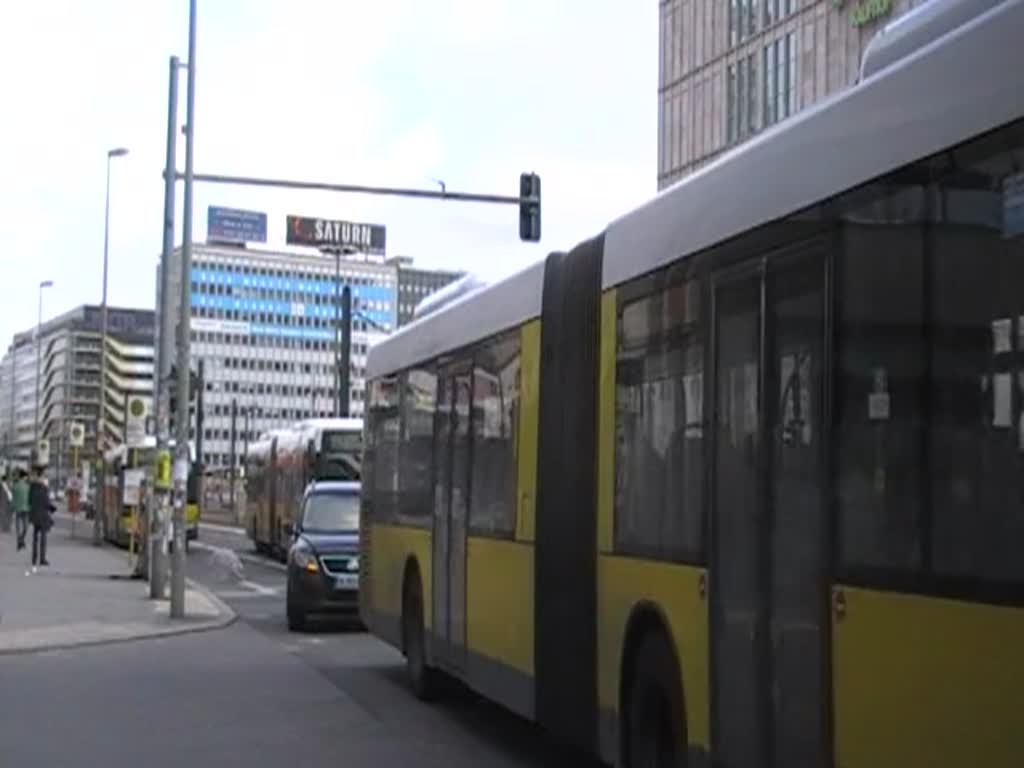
(225, 618)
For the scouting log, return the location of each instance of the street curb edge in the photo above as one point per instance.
(226, 618)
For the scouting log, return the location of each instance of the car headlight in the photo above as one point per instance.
(305, 559)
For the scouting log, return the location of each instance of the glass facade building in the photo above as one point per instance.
(730, 69)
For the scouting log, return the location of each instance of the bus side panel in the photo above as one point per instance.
(499, 615)
(624, 582)
(927, 681)
(391, 546)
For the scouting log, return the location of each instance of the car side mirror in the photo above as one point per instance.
(290, 529)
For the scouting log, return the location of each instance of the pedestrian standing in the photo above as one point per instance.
(19, 500)
(41, 511)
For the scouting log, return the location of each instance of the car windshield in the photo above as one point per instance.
(331, 512)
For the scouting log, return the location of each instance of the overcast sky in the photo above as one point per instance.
(391, 93)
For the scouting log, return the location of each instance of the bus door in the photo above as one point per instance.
(451, 503)
(769, 587)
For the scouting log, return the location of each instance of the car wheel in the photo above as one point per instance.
(296, 616)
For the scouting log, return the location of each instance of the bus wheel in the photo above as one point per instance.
(654, 732)
(421, 676)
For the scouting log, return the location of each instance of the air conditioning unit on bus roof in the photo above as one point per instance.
(917, 28)
(448, 295)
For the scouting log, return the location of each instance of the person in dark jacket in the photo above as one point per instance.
(40, 511)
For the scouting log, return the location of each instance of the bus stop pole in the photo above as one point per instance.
(161, 507)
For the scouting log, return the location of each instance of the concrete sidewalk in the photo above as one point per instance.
(85, 598)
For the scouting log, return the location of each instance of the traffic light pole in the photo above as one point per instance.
(365, 189)
(181, 463)
(344, 370)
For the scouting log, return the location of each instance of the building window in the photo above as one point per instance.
(741, 92)
(776, 10)
(742, 20)
(780, 79)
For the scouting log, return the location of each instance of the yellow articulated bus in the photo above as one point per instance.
(740, 481)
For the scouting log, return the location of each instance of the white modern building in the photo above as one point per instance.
(263, 323)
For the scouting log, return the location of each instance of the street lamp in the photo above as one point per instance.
(100, 421)
(100, 425)
(39, 359)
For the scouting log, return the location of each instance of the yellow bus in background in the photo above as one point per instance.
(740, 481)
(120, 522)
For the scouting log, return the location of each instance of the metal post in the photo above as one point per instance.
(101, 421)
(245, 436)
(158, 541)
(39, 360)
(181, 469)
(200, 464)
(337, 332)
(346, 351)
(14, 413)
(101, 426)
(234, 457)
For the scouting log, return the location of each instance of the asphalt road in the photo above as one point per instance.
(252, 695)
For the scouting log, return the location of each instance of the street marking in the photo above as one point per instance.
(269, 591)
(250, 590)
(216, 527)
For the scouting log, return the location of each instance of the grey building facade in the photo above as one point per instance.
(69, 383)
(416, 283)
(730, 69)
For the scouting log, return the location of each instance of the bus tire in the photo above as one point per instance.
(422, 677)
(654, 732)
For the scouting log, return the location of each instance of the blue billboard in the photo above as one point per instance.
(231, 225)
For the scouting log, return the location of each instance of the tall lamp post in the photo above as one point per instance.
(101, 421)
(39, 360)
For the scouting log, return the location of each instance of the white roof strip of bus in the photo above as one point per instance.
(964, 84)
(476, 316)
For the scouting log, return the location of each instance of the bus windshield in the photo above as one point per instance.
(340, 456)
(331, 513)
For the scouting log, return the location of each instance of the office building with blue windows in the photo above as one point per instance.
(263, 322)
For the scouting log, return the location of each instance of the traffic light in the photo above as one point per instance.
(172, 389)
(529, 209)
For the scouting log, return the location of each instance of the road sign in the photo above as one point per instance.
(231, 225)
(133, 487)
(42, 457)
(135, 422)
(76, 434)
(332, 233)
